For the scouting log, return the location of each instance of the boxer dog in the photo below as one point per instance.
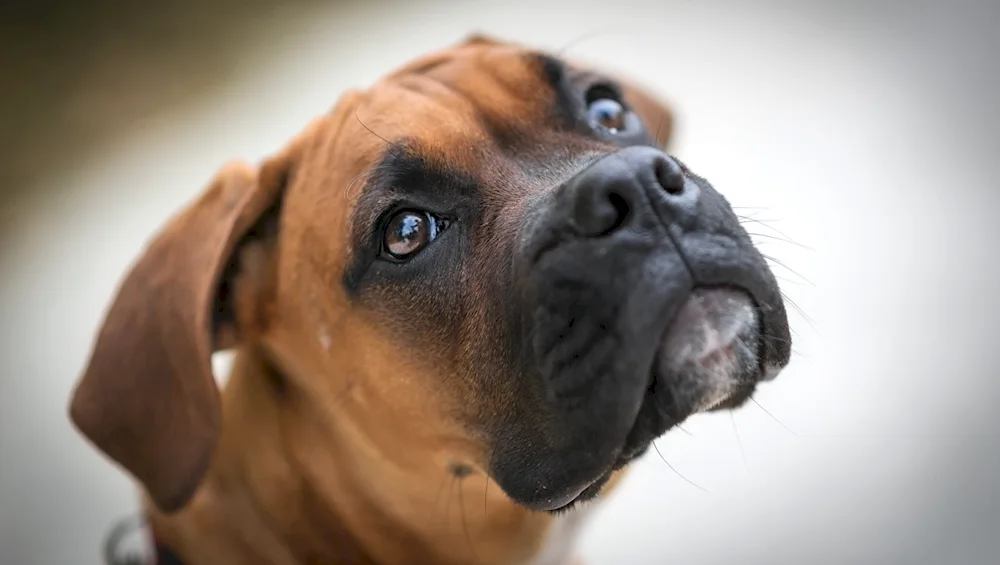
(461, 303)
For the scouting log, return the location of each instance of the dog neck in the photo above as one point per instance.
(270, 500)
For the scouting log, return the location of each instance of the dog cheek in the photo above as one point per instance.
(573, 343)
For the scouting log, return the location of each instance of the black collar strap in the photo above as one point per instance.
(166, 557)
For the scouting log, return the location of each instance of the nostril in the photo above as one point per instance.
(621, 208)
(600, 211)
(669, 175)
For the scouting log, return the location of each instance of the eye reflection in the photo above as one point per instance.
(408, 232)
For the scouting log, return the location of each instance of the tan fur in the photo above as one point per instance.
(332, 441)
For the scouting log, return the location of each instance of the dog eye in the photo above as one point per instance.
(409, 231)
(609, 116)
(607, 113)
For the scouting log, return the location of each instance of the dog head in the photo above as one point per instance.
(485, 262)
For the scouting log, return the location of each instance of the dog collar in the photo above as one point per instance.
(132, 542)
(165, 557)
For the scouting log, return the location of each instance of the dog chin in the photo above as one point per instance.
(708, 361)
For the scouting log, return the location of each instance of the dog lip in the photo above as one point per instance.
(709, 323)
(592, 490)
(709, 349)
(707, 357)
(771, 372)
(702, 362)
(567, 498)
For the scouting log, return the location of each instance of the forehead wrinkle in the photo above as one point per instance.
(430, 86)
(501, 84)
(468, 101)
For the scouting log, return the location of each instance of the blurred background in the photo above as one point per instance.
(859, 138)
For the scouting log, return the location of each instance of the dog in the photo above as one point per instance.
(461, 303)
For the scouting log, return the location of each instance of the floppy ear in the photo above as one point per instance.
(148, 398)
(479, 38)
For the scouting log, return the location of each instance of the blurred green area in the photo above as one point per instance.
(75, 73)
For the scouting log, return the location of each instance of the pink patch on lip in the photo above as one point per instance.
(703, 348)
(723, 356)
(705, 330)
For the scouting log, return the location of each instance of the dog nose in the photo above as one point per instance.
(604, 194)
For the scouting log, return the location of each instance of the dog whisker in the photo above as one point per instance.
(789, 269)
(658, 125)
(465, 524)
(389, 145)
(739, 441)
(764, 223)
(792, 303)
(676, 472)
(778, 339)
(580, 39)
(447, 500)
(794, 333)
(787, 280)
(348, 192)
(743, 220)
(799, 310)
(753, 210)
(486, 488)
(788, 341)
(781, 239)
(752, 218)
(756, 219)
(681, 428)
(444, 481)
(780, 423)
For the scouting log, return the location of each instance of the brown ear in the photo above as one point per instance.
(479, 38)
(148, 398)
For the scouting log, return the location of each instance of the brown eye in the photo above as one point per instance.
(607, 113)
(408, 232)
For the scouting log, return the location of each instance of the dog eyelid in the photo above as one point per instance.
(603, 90)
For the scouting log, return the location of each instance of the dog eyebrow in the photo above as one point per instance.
(404, 172)
(567, 105)
(553, 69)
(403, 177)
